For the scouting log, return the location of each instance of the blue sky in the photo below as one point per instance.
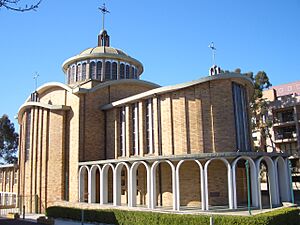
(170, 38)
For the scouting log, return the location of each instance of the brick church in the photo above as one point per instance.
(107, 137)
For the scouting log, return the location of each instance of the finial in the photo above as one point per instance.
(213, 50)
(104, 10)
(35, 77)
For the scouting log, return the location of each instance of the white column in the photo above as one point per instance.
(230, 188)
(174, 187)
(234, 186)
(206, 185)
(203, 183)
(178, 185)
(116, 187)
(89, 186)
(153, 186)
(288, 171)
(132, 177)
(103, 187)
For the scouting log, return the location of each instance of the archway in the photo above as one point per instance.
(163, 185)
(140, 184)
(106, 181)
(217, 194)
(283, 180)
(266, 182)
(240, 189)
(189, 184)
(121, 184)
(83, 184)
(95, 184)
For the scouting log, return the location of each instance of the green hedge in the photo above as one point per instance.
(286, 216)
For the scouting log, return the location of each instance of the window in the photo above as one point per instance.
(93, 70)
(122, 131)
(135, 128)
(114, 70)
(99, 69)
(78, 74)
(107, 70)
(73, 74)
(131, 72)
(69, 76)
(27, 134)
(149, 127)
(83, 72)
(1, 177)
(122, 71)
(135, 73)
(241, 117)
(7, 177)
(16, 177)
(127, 72)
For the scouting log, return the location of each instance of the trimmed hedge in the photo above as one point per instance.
(286, 216)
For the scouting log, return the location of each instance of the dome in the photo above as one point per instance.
(103, 50)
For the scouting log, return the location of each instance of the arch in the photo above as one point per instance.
(229, 180)
(117, 183)
(84, 184)
(272, 180)
(131, 76)
(104, 190)
(153, 183)
(282, 179)
(95, 184)
(253, 180)
(201, 179)
(133, 179)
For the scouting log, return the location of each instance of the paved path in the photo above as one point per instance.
(17, 222)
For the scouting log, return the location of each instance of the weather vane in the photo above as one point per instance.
(35, 77)
(104, 10)
(213, 50)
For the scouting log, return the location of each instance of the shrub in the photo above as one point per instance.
(286, 216)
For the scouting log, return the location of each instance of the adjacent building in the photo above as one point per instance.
(8, 185)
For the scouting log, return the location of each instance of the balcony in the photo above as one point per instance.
(286, 137)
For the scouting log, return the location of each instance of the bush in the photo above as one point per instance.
(286, 216)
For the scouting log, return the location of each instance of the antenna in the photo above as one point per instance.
(213, 51)
(35, 77)
(104, 10)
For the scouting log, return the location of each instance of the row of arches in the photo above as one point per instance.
(186, 184)
(100, 70)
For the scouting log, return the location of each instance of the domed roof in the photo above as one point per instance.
(102, 50)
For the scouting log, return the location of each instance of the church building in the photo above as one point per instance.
(107, 137)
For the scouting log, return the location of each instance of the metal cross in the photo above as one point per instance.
(213, 50)
(35, 77)
(104, 10)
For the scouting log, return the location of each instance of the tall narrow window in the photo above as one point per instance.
(122, 71)
(93, 70)
(241, 117)
(69, 76)
(7, 177)
(73, 78)
(27, 134)
(122, 131)
(1, 178)
(83, 71)
(99, 69)
(149, 127)
(131, 72)
(107, 70)
(15, 177)
(127, 72)
(114, 70)
(135, 73)
(78, 73)
(135, 127)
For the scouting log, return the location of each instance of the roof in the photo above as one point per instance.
(286, 89)
(103, 50)
(166, 89)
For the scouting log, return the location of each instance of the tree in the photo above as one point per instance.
(8, 141)
(259, 108)
(14, 5)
